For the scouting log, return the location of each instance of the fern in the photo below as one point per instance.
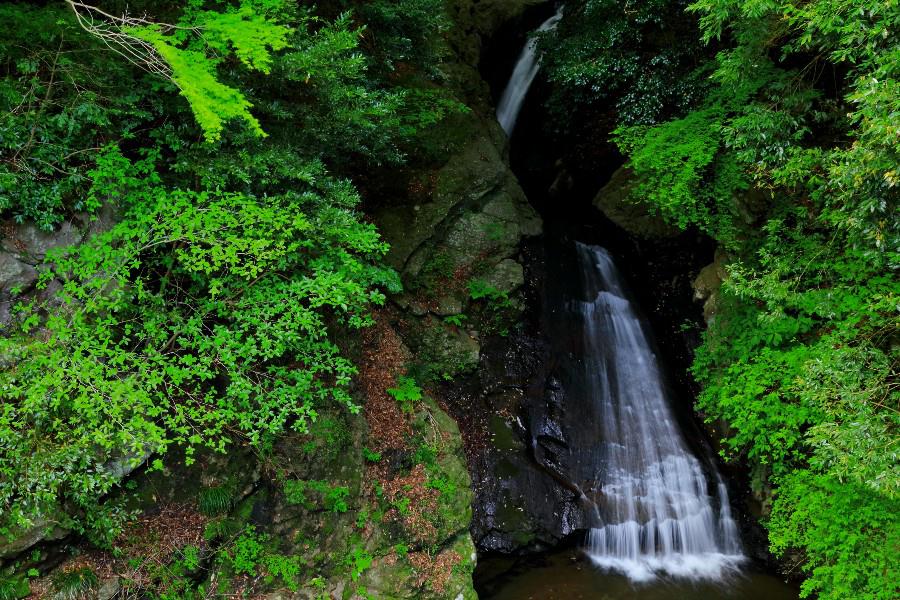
(407, 393)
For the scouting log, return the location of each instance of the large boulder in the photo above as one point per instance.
(477, 209)
(616, 200)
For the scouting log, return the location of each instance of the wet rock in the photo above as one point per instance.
(522, 504)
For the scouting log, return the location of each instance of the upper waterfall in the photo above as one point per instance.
(523, 75)
(654, 510)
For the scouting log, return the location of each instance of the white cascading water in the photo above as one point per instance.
(523, 75)
(654, 513)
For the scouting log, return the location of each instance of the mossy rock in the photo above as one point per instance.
(394, 578)
(447, 351)
(617, 201)
(506, 276)
(476, 207)
(19, 539)
(468, 175)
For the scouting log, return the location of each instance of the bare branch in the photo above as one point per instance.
(114, 32)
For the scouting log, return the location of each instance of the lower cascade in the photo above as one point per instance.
(654, 513)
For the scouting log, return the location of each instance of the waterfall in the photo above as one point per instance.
(654, 512)
(523, 75)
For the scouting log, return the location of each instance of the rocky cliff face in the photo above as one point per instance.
(384, 507)
(460, 251)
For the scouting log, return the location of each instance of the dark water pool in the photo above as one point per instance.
(570, 576)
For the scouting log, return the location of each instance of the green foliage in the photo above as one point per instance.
(362, 518)
(402, 505)
(480, 290)
(681, 173)
(67, 96)
(264, 276)
(250, 555)
(612, 63)
(333, 497)
(407, 393)
(220, 529)
(202, 40)
(446, 486)
(626, 55)
(435, 273)
(60, 97)
(425, 454)
(247, 552)
(207, 313)
(13, 587)
(455, 320)
(371, 456)
(498, 309)
(403, 33)
(797, 179)
(849, 533)
(359, 560)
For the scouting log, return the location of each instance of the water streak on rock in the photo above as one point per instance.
(523, 75)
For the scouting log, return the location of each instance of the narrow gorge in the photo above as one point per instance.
(449, 300)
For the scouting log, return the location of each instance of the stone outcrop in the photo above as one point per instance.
(24, 247)
(468, 229)
(616, 201)
(708, 283)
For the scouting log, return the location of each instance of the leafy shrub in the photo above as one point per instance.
(359, 561)
(60, 96)
(266, 274)
(247, 551)
(371, 456)
(848, 532)
(407, 393)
